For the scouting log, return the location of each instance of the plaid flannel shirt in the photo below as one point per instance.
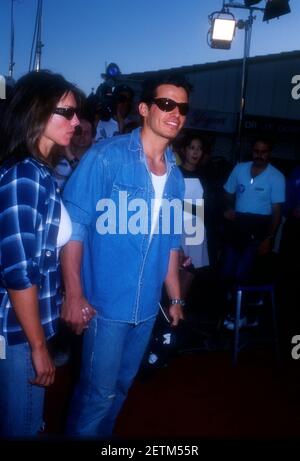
(29, 221)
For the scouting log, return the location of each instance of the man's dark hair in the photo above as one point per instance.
(150, 85)
(121, 89)
(28, 110)
(265, 140)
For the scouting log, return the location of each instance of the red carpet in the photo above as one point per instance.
(201, 395)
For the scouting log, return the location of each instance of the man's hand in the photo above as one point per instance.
(77, 313)
(265, 247)
(296, 212)
(184, 261)
(229, 214)
(176, 314)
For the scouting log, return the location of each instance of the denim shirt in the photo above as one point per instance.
(29, 221)
(122, 273)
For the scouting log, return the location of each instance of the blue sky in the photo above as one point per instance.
(80, 36)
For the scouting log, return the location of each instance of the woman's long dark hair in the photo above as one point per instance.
(27, 111)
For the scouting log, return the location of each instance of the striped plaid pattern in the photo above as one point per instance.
(29, 222)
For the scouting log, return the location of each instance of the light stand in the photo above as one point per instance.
(12, 40)
(273, 9)
(37, 40)
(247, 26)
(39, 44)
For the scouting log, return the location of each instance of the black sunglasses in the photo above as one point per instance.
(67, 112)
(167, 105)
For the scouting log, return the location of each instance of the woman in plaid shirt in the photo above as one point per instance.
(40, 114)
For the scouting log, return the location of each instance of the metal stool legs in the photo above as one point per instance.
(239, 297)
(239, 294)
(275, 326)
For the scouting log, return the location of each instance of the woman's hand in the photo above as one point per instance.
(43, 365)
(26, 306)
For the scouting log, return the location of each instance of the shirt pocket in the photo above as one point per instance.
(127, 191)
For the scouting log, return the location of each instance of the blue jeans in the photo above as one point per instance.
(21, 403)
(111, 356)
(238, 263)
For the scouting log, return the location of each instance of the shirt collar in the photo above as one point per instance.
(135, 144)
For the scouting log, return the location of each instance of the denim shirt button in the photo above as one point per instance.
(48, 253)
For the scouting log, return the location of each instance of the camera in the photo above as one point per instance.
(106, 105)
(109, 98)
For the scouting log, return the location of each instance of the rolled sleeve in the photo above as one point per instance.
(231, 183)
(82, 191)
(79, 231)
(278, 189)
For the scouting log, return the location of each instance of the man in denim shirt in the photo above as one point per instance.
(122, 251)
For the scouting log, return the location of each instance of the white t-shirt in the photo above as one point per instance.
(193, 191)
(106, 129)
(158, 183)
(65, 227)
(197, 252)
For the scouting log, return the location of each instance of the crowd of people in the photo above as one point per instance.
(97, 218)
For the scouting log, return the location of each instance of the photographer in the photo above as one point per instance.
(114, 110)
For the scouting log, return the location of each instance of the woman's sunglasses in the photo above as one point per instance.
(67, 112)
(167, 105)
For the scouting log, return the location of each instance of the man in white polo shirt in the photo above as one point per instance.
(254, 192)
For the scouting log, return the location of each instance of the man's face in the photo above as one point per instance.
(83, 135)
(124, 102)
(165, 124)
(261, 154)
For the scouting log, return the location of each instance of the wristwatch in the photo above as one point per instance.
(179, 301)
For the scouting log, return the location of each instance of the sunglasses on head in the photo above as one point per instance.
(67, 112)
(167, 105)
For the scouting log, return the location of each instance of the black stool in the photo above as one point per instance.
(257, 288)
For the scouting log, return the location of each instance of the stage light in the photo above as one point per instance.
(222, 32)
(276, 8)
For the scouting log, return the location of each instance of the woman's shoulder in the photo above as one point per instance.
(28, 167)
